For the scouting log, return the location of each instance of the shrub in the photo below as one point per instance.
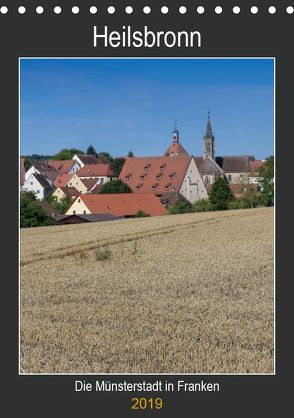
(141, 214)
(181, 206)
(31, 214)
(202, 205)
(102, 253)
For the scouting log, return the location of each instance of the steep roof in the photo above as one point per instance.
(62, 180)
(70, 191)
(44, 168)
(176, 148)
(92, 159)
(235, 163)
(42, 180)
(63, 166)
(209, 166)
(160, 172)
(89, 183)
(123, 204)
(95, 170)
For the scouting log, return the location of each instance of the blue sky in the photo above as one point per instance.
(122, 105)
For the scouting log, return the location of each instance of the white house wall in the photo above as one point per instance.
(192, 187)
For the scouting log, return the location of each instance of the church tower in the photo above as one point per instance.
(176, 148)
(208, 141)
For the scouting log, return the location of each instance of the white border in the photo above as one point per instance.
(148, 374)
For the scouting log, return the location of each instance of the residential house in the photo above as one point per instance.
(65, 166)
(62, 180)
(42, 167)
(101, 172)
(161, 175)
(39, 185)
(254, 175)
(83, 185)
(83, 159)
(122, 204)
(63, 192)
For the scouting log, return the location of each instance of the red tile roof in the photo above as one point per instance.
(70, 191)
(255, 166)
(89, 183)
(95, 170)
(176, 148)
(63, 166)
(62, 180)
(157, 170)
(123, 204)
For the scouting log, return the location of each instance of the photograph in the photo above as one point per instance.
(147, 216)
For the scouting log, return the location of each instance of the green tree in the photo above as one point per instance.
(27, 163)
(117, 165)
(220, 194)
(107, 155)
(60, 205)
(182, 205)
(31, 214)
(115, 186)
(67, 154)
(130, 154)
(91, 150)
(267, 182)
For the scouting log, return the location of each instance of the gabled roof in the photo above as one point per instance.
(209, 166)
(44, 168)
(235, 163)
(42, 180)
(92, 159)
(63, 166)
(70, 191)
(95, 170)
(62, 180)
(176, 149)
(89, 183)
(157, 166)
(123, 204)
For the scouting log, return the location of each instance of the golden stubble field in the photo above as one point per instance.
(180, 294)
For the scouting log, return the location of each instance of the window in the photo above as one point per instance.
(162, 167)
(32, 183)
(84, 212)
(79, 200)
(38, 191)
(138, 188)
(73, 212)
(146, 168)
(207, 181)
(153, 188)
(127, 178)
(229, 177)
(158, 177)
(143, 178)
(241, 178)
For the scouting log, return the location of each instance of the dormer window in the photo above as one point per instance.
(146, 168)
(139, 187)
(158, 177)
(127, 178)
(162, 168)
(167, 186)
(154, 186)
(143, 177)
(171, 176)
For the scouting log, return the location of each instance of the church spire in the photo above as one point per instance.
(208, 141)
(176, 148)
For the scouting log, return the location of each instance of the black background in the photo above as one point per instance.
(261, 35)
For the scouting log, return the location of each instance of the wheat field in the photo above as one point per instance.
(179, 294)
